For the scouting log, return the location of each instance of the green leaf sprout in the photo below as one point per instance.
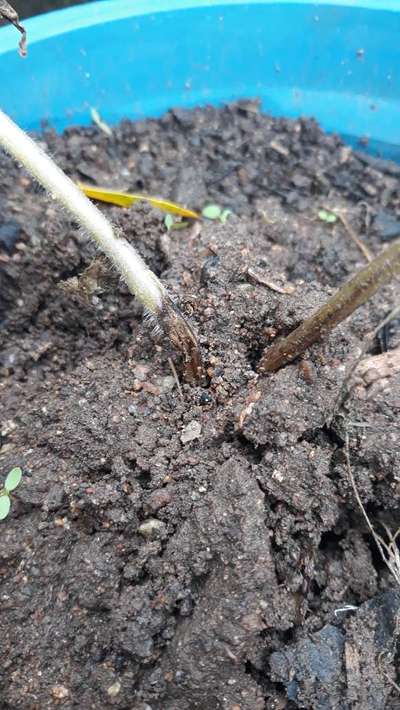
(215, 212)
(212, 212)
(328, 217)
(12, 481)
(4, 506)
(224, 215)
(169, 221)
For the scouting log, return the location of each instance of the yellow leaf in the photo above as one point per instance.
(125, 199)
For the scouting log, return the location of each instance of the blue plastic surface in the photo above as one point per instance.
(337, 61)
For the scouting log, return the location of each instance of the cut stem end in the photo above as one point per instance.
(184, 340)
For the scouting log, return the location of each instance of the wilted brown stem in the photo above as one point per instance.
(352, 295)
(8, 12)
(183, 339)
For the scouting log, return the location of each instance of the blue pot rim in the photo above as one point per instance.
(59, 22)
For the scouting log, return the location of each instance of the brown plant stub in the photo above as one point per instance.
(345, 301)
(11, 15)
(183, 339)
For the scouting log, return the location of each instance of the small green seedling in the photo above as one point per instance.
(171, 224)
(12, 481)
(224, 215)
(169, 221)
(211, 212)
(328, 217)
(215, 212)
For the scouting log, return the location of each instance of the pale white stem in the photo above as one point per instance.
(140, 279)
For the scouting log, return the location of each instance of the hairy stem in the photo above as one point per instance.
(346, 300)
(139, 278)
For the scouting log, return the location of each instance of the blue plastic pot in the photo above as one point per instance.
(337, 61)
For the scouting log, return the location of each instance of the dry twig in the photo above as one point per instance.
(353, 236)
(346, 300)
(288, 290)
(175, 376)
(11, 15)
(389, 549)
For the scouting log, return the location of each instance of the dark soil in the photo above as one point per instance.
(167, 550)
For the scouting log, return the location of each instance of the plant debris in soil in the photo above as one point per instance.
(174, 548)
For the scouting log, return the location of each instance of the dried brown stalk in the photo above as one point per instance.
(184, 339)
(11, 15)
(288, 290)
(345, 301)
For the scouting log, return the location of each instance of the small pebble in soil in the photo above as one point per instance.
(10, 232)
(114, 689)
(205, 398)
(59, 692)
(191, 432)
(386, 225)
(318, 657)
(152, 528)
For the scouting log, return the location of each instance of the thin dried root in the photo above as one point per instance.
(353, 236)
(389, 549)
